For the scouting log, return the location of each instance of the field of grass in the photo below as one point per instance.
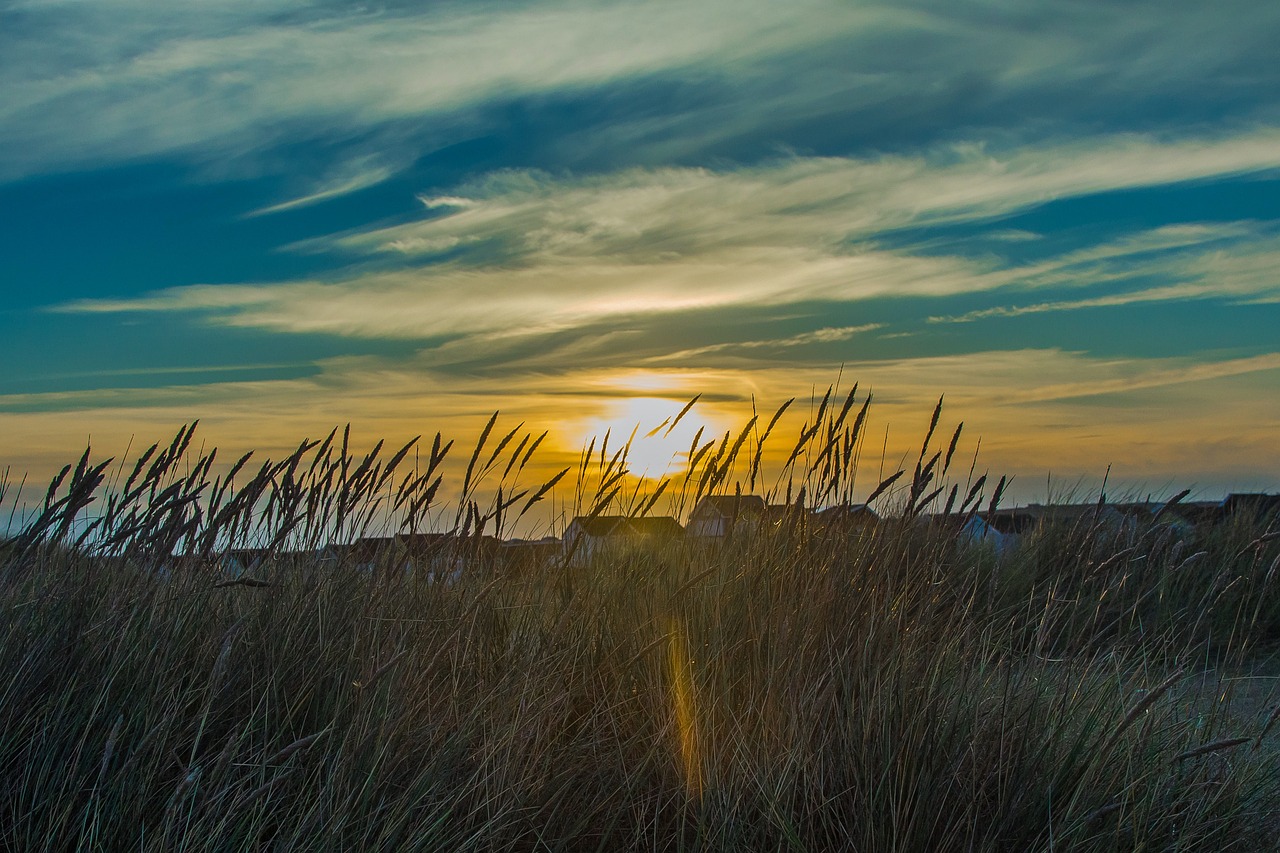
(892, 688)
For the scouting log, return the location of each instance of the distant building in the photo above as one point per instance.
(587, 536)
(517, 556)
(239, 562)
(716, 516)
(1255, 505)
(655, 528)
(844, 519)
(364, 555)
(972, 529)
(444, 557)
(437, 555)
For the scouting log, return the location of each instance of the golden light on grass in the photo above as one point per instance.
(685, 705)
(789, 652)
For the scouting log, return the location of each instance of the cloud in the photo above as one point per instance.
(131, 80)
(822, 204)
(825, 335)
(1158, 294)
(360, 174)
(1232, 262)
(543, 255)
(1035, 409)
(117, 80)
(759, 168)
(449, 300)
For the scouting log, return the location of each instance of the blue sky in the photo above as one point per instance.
(281, 216)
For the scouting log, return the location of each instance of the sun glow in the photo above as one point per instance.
(660, 437)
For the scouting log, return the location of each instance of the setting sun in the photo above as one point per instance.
(660, 438)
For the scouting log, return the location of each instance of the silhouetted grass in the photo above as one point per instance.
(796, 688)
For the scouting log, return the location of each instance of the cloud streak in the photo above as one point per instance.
(543, 255)
(817, 203)
(117, 80)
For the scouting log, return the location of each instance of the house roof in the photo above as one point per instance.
(730, 506)
(657, 527)
(1012, 520)
(849, 511)
(364, 550)
(432, 544)
(246, 555)
(425, 543)
(1257, 503)
(600, 525)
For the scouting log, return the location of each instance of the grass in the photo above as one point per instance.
(884, 689)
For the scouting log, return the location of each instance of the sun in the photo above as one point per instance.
(660, 446)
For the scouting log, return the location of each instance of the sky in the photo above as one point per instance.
(278, 217)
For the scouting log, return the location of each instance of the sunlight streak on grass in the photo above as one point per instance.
(685, 704)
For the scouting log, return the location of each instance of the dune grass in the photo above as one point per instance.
(889, 688)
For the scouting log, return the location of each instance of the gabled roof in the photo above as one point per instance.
(365, 550)
(657, 527)
(600, 525)
(846, 511)
(654, 527)
(432, 544)
(1257, 503)
(730, 506)
(1012, 520)
(419, 544)
(247, 556)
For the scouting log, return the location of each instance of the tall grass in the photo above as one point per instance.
(797, 688)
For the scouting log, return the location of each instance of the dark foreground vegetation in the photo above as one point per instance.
(885, 687)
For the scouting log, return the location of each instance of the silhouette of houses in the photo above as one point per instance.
(441, 556)
(518, 556)
(240, 562)
(586, 536)
(716, 516)
(445, 557)
(1257, 506)
(845, 518)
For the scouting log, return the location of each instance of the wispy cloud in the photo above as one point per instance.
(352, 177)
(825, 335)
(226, 75)
(450, 301)
(120, 79)
(816, 203)
(555, 254)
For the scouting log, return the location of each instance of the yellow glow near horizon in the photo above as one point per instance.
(661, 444)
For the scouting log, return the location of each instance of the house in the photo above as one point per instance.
(655, 529)
(971, 529)
(363, 555)
(239, 562)
(522, 555)
(716, 516)
(444, 557)
(587, 536)
(1196, 513)
(1256, 505)
(844, 519)
(1014, 522)
(1114, 519)
(978, 531)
